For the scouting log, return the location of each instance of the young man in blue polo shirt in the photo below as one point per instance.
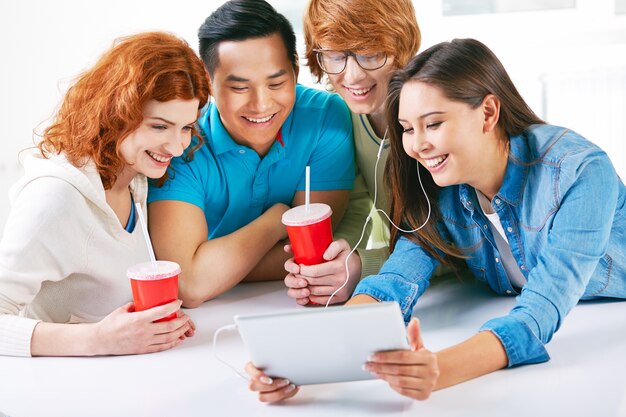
(219, 216)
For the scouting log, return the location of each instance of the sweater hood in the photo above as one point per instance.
(85, 179)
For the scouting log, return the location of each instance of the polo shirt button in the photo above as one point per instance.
(509, 229)
(242, 151)
(497, 201)
(508, 291)
(497, 260)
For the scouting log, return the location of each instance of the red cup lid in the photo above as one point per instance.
(145, 271)
(299, 216)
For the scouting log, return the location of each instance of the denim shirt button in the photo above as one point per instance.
(509, 229)
(508, 291)
(497, 260)
(497, 201)
(242, 151)
(485, 226)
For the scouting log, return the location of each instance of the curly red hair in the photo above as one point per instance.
(105, 104)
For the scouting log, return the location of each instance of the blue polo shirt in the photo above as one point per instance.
(233, 185)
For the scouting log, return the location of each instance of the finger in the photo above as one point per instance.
(170, 326)
(287, 249)
(254, 372)
(414, 335)
(126, 308)
(321, 290)
(291, 266)
(279, 395)
(416, 394)
(340, 297)
(161, 347)
(298, 293)
(291, 281)
(400, 357)
(396, 370)
(335, 248)
(303, 301)
(335, 267)
(159, 312)
(161, 338)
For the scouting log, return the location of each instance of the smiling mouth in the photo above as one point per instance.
(259, 120)
(435, 162)
(159, 158)
(359, 91)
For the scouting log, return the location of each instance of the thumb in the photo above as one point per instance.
(334, 249)
(415, 335)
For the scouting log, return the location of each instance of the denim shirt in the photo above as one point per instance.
(563, 209)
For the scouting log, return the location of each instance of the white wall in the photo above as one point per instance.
(44, 44)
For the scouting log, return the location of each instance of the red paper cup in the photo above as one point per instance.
(310, 232)
(154, 287)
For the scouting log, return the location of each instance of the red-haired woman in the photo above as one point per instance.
(71, 232)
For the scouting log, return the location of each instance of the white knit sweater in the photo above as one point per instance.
(64, 253)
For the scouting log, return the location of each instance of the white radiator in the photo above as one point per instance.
(592, 103)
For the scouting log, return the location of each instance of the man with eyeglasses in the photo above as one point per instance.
(355, 45)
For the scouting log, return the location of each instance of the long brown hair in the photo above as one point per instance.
(466, 71)
(105, 104)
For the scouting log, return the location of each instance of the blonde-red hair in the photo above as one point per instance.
(362, 26)
(105, 103)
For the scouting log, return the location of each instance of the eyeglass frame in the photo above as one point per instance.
(346, 54)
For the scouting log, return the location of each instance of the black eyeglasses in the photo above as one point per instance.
(334, 62)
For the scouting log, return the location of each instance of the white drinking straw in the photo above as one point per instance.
(144, 227)
(307, 189)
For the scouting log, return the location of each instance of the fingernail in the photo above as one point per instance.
(282, 383)
(290, 388)
(266, 380)
(371, 358)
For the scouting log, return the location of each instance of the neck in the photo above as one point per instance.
(123, 181)
(492, 176)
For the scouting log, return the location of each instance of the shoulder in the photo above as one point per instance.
(569, 156)
(555, 145)
(312, 98)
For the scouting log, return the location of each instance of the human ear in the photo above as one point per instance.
(491, 112)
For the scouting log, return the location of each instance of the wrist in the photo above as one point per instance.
(92, 339)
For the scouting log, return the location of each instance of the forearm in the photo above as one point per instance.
(272, 265)
(220, 264)
(54, 339)
(479, 355)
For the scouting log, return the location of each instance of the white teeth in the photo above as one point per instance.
(261, 120)
(360, 91)
(158, 157)
(435, 162)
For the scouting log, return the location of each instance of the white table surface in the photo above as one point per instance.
(585, 377)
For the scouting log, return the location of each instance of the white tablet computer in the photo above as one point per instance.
(317, 345)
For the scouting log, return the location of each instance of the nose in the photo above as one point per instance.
(261, 101)
(353, 71)
(420, 144)
(177, 143)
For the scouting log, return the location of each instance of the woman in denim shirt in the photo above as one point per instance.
(534, 210)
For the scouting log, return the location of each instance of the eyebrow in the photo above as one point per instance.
(423, 116)
(238, 79)
(167, 121)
